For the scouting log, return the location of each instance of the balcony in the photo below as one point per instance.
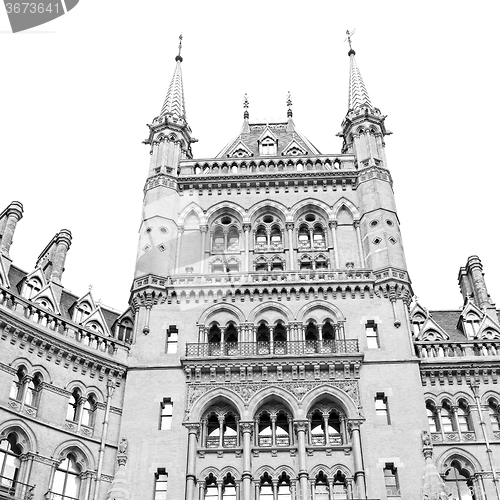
(429, 350)
(278, 348)
(15, 490)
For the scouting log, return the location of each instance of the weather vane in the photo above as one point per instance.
(245, 107)
(289, 104)
(179, 57)
(349, 35)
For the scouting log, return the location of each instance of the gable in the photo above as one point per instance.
(46, 295)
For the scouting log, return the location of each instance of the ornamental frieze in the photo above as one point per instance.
(297, 389)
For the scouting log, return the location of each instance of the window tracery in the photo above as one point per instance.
(268, 234)
(225, 233)
(326, 424)
(66, 482)
(10, 462)
(273, 427)
(220, 428)
(31, 288)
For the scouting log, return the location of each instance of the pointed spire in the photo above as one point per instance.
(289, 104)
(174, 101)
(358, 95)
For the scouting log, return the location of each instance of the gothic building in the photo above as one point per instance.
(271, 349)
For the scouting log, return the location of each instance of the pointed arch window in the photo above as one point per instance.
(325, 427)
(339, 486)
(66, 484)
(321, 490)
(311, 337)
(306, 263)
(304, 238)
(432, 417)
(261, 239)
(471, 324)
(494, 415)
(319, 241)
(233, 239)
(33, 387)
(277, 264)
(73, 411)
(459, 482)
(417, 321)
(214, 340)
(17, 387)
(218, 241)
(463, 417)
(31, 288)
(229, 488)
(268, 147)
(266, 488)
(284, 487)
(88, 411)
(211, 489)
(276, 238)
(447, 418)
(82, 312)
(265, 437)
(9, 462)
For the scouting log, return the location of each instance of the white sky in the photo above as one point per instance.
(76, 95)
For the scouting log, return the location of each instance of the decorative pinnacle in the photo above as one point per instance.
(348, 40)
(178, 57)
(289, 104)
(246, 115)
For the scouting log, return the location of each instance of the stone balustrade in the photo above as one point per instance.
(448, 349)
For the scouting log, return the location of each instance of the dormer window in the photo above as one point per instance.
(31, 288)
(268, 147)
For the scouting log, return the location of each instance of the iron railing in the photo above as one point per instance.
(277, 348)
(12, 489)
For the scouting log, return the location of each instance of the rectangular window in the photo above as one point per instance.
(391, 480)
(382, 409)
(371, 334)
(166, 409)
(172, 339)
(161, 480)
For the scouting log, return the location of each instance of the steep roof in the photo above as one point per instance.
(284, 134)
(358, 95)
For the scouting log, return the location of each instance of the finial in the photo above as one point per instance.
(90, 287)
(289, 104)
(348, 39)
(178, 57)
(246, 115)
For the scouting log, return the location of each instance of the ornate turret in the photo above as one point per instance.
(363, 128)
(169, 134)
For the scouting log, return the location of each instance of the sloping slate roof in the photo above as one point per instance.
(448, 321)
(282, 133)
(15, 277)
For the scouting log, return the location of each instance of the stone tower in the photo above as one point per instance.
(270, 299)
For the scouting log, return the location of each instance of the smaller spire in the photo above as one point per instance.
(289, 104)
(178, 57)
(246, 115)
(358, 95)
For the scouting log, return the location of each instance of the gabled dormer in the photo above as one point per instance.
(96, 321)
(240, 150)
(47, 299)
(418, 317)
(123, 327)
(32, 284)
(470, 319)
(488, 329)
(431, 332)
(268, 143)
(83, 308)
(293, 148)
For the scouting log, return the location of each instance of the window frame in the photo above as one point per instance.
(165, 423)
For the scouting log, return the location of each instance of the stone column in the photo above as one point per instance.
(359, 472)
(289, 228)
(246, 229)
(273, 430)
(333, 228)
(63, 242)
(301, 428)
(180, 232)
(204, 230)
(220, 485)
(360, 244)
(221, 431)
(246, 476)
(193, 431)
(14, 214)
(201, 490)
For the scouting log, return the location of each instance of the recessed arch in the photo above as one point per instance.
(216, 396)
(280, 308)
(466, 459)
(341, 398)
(225, 207)
(83, 455)
(344, 202)
(192, 207)
(326, 307)
(26, 438)
(275, 394)
(216, 309)
(265, 206)
(313, 204)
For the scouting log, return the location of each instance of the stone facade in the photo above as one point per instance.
(272, 348)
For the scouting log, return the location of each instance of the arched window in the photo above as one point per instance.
(73, 411)
(31, 397)
(230, 431)
(211, 490)
(88, 411)
(82, 312)
(463, 417)
(94, 325)
(276, 238)
(265, 437)
(321, 490)
(325, 427)
(494, 416)
(66, 482)
(213, 432)
(266, 487)
(263, 339)
(321, 263)
(261, 239)
(327, 333)
(417, 321)
(31, 288)
(447, 418)
(261, 265)
(471, 324)
(277, 264)
(432, 417)
(305, 263)
(319, 241)
(17, 387)
(214, 340)
(268, 147)
(282, 427)
(233, 240)
(231, 339)
(124, 330)
(229, 488)
(311, 337)
(9, 462)
(218, 241)
(220, 428)
(284, 487)
(339, 486)
(279, 338)
(458, 481)
(304, 238)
